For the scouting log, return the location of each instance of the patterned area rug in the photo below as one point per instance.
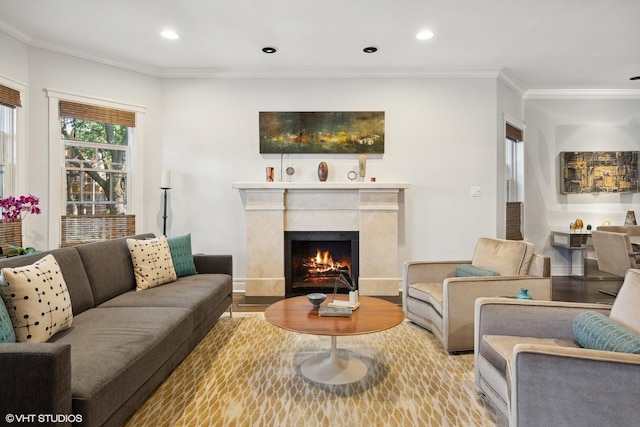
(245, 372)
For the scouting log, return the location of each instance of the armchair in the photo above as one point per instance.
(434, 298)
(533, 369)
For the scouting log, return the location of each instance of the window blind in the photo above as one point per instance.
(513, 133)
(9, 97)
(79, 229)
(94, 113)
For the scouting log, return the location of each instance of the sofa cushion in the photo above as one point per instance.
(506, 257)
(37, 300)
(468, 270)
(625, 307)
(152, 263)
(596, 331)
(182, 255)
(6, 327)
(200, 293)
(112, 278)
(116, 350)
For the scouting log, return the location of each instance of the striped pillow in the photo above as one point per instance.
(598, 332)
(468, 270)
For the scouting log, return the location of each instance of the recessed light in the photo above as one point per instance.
(269, 49)
(635, 78)
(170, 35)
(424, 35)
(370, 49)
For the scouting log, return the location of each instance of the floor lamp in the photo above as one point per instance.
(165, 185)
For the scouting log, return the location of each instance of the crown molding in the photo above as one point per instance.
(15, 32)
(582, 94)
(505, 77)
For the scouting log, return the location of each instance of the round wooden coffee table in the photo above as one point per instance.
(296, 314)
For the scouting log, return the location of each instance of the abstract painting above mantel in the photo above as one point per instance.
(599, 172)
(337, 132)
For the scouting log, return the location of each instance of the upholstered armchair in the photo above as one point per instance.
(438, 297)
(545, 363)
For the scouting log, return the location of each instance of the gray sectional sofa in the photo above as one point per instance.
(122, 343)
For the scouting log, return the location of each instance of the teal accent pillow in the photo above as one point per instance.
(7, 334)
(468, 270)
(596, 331)
(180, 248)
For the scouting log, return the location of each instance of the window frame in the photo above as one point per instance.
(57, 169)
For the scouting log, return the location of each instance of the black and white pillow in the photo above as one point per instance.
(152, 262)
(37, 300)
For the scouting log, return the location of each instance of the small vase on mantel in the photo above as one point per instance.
(524, 294)
(323, 171)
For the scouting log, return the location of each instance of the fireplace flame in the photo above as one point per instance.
(323, 263)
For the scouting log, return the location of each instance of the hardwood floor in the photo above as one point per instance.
(563, 289)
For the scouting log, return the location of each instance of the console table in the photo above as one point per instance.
(579, 247)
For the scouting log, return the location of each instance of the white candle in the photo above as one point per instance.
(165, 181)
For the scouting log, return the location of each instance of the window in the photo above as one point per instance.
(97, 151)
(9, 100)
(96, 160)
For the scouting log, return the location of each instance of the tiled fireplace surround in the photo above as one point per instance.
(271, 208)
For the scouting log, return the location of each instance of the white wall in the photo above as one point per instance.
(556, 125)
(440, 137)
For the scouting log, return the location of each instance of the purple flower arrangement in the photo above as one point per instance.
(15, 208)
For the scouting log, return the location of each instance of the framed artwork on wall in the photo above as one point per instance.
(599, 172)
(338, 132)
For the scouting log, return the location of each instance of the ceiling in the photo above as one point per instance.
(535, 44)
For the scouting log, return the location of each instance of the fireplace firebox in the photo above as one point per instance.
(315, 259)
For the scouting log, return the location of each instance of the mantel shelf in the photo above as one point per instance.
(329, 185)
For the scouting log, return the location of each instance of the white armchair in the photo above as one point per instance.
(434, 298)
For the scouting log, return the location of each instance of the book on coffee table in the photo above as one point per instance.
(335, 311)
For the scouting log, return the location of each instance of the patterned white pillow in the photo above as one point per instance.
(152, 262)
(37, 300)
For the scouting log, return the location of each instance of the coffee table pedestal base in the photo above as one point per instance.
(334, 370)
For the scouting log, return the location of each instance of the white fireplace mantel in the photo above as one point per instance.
(371, 208)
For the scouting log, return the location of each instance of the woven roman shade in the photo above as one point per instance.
(9, 97)
(80, 229)
(93, 113)
(513, 133)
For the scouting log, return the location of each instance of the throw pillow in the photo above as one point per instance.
(152, 263)
(6, 327)
(596, 331)
(37, 300)
(468, 270)
(180, 248)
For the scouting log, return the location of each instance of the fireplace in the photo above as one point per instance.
(313, 260)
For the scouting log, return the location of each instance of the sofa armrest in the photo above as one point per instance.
(35, 378)
(531, 318)
(573, 386)
(213, 264)
(459, 295)
(429, 271)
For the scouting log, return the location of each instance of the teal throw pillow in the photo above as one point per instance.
(596, 331)
(7, 334)
(180, 248)
(468, 270)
